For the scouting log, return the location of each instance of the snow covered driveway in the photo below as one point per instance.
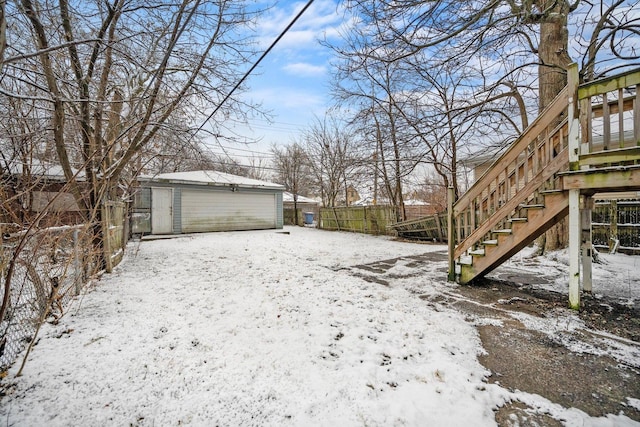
(258, 329)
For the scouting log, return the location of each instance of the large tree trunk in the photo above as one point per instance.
(554, 59)
(3, 32)
(552, 51)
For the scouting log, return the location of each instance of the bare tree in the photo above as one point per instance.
(611, 24)
(433, 190)
(414, 110)
(333, 156)
(504, 36)
(109, 77)
(291, 165)
(3, 31)
(481, 61)
(375, 90)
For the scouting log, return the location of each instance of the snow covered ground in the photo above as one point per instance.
(615, 276)
(264, 328)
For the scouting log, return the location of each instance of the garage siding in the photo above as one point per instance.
(206, 210)
(177, 210)
(279, 211)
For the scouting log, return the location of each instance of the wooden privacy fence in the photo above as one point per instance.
(359, 219)
(114, 233)
(289, 212)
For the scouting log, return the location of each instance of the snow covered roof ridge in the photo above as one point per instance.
(210, 177)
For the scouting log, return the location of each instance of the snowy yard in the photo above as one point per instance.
(268, 329)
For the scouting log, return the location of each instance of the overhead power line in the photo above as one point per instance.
(267, 122)
(227, 147)
(253, 67)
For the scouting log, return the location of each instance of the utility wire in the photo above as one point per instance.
(253, 67)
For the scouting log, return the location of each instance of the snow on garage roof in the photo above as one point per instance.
(210, 178)
(288, 197)
(46, 170)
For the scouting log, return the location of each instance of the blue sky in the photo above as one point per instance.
(292, 82)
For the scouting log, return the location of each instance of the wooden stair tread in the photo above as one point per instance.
(518, 219)
(492, 242)
(512, 241)
(477, 252)
(533, 206)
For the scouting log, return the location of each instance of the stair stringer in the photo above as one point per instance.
(521, 235)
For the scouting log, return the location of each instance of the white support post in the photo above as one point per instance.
(587, 248)
(574, 195)
(573, 118)
(574, 249)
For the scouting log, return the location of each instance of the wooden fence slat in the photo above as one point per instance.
(359, 219)
(112, 232)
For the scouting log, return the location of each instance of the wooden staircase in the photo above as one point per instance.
(523, 230)
(526, 190)
(516, 199)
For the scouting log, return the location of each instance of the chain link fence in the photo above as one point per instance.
(616, 225)
(40, 272)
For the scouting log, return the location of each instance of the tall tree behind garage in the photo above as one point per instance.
(291, 165)
(494, 51)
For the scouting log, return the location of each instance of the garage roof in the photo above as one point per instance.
(288, 197)
(214, 178)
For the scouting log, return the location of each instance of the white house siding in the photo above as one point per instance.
(205, 210)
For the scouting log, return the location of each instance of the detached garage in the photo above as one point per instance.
(203, 201)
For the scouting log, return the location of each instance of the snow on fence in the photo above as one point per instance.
(359, 219)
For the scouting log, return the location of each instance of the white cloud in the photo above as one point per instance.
(323, 18)
(305, 69)
(297, 101)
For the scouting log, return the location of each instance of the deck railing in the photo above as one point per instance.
(609, 121)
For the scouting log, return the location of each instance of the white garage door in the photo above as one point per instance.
(204, 210)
